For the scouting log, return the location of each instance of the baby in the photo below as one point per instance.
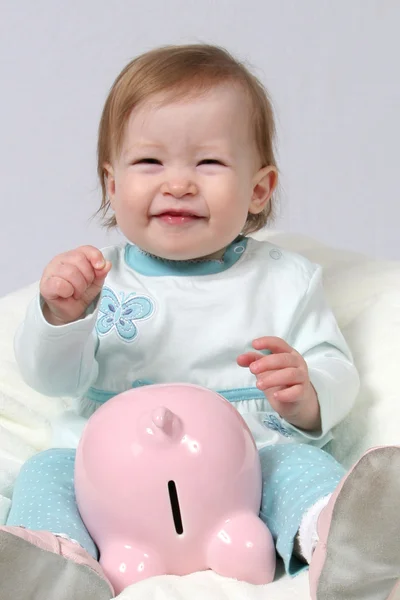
(187, 169)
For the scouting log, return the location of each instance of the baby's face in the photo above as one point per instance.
(187, 174)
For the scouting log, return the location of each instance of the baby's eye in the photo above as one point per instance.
(147, 161)
(211, 161)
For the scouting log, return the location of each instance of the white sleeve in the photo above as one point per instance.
(315, 334)
(57, 361)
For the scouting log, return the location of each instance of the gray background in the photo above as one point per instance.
(332, 68)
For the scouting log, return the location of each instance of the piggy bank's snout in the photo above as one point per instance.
(161, 424)
(163, 419)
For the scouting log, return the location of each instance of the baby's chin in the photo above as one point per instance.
(184, 254)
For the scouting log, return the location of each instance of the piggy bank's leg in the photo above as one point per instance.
(124, 563)
(243, 549)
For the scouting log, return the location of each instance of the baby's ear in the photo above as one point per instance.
(264, 184)
(110, 182)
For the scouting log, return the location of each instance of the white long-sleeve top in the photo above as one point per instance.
(160, 321)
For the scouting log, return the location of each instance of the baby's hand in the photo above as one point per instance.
(70, 283)
(283, 377)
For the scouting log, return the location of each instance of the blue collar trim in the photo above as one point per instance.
(153, 266)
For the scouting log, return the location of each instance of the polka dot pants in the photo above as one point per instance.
(295, 476)
(44, 497)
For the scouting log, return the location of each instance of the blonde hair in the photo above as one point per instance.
(182, 70)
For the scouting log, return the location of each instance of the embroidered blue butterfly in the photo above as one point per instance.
(272, 422)
(121, 313)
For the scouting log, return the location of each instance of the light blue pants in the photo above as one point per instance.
(295, 476)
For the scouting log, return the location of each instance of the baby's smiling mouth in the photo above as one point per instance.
(177, 217)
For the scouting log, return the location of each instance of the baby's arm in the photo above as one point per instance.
(55, 345)
(284, 378)
(310, 378)
(315, 334)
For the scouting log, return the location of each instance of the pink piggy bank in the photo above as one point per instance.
(168, 481)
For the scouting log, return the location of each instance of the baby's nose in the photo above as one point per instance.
(179, 186)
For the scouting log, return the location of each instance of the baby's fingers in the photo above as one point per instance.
(290, 394)
(281, 377)
(246, 359)
(93, 255)
(65, 272)
(56, 287)
(101, 274)
(274, 362)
